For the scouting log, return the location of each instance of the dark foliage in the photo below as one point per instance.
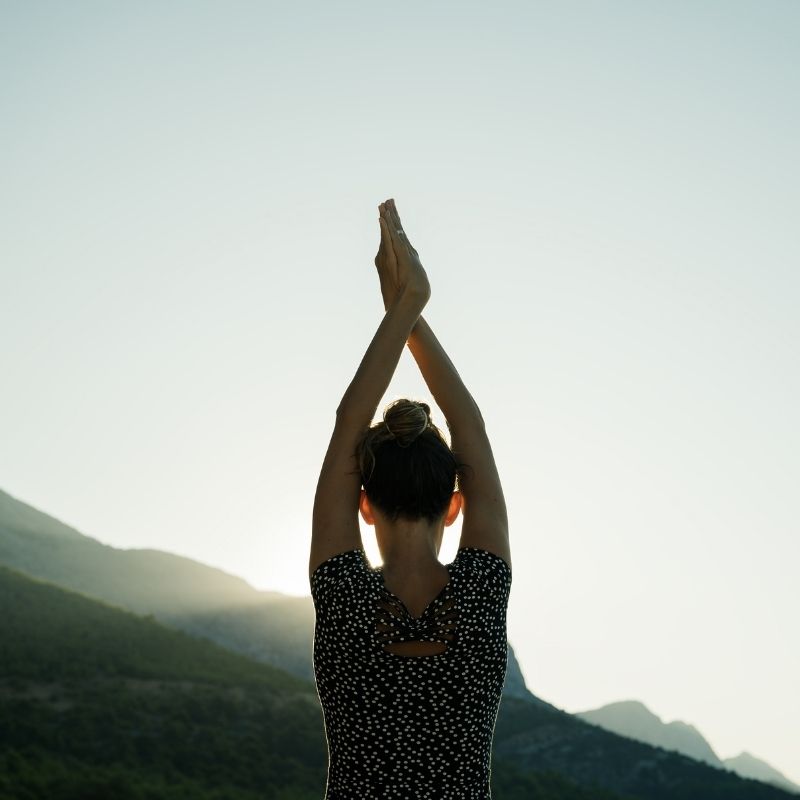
(97, 703)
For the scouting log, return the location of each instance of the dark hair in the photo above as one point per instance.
(407, 467)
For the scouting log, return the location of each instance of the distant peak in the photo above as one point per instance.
(630, 706)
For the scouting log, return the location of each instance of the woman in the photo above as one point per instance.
(409, 658)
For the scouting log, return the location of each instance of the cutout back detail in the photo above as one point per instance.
(429, 634)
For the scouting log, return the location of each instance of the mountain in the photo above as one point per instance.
(145, 581)
(748, 766)
(18, 516)
(97, 703)
(634, 719)
(533, 738)
(202, 600)
(515, 687)
(540, 751)
(267, 626)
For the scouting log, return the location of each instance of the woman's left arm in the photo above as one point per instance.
(335, 518)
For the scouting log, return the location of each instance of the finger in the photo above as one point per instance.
(393, 215)
(397, 225)
(386, 236)
(390, 224)
(395, 211)
(387, 216)
(386, 220)
(380, 256)
(404, 236)
(381, 245)
(391, 221)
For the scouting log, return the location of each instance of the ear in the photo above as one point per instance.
(455, 506)
(366, 509)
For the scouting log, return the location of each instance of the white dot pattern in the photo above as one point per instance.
(400, 726)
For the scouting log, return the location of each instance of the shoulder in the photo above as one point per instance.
(484, 565)
(336, 569)
(482, 559)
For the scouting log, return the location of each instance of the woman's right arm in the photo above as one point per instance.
(485, 517)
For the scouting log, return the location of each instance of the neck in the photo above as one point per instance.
(409, 546)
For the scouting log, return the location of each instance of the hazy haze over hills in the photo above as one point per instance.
(162, 580)
(750, 766)
(533, 734)
(632, 718)
(268, 626)
(169, 703)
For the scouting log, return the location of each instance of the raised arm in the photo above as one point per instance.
(485, 517)
(335, 516)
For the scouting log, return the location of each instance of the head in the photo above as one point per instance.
(407, 468)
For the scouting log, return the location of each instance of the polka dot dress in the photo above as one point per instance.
(410, 727)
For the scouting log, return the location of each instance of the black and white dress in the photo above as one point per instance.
(403, 727)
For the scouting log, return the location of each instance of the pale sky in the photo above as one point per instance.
(605, 198)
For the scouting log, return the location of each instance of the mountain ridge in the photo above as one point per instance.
(279, 632)
(634, 719)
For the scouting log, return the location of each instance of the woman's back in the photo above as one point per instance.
(403, 726)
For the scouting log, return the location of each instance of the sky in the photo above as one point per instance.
(605, 199)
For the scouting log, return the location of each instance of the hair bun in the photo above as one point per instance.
(406, 420)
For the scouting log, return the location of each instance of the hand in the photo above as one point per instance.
(386, 263)
(398, 264)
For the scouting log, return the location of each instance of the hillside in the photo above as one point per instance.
(749, 766)
(632, 718)
(145, 581)
(63, 642)
(98, 703)
(201, 600)
(97, 697)
(536, 738)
